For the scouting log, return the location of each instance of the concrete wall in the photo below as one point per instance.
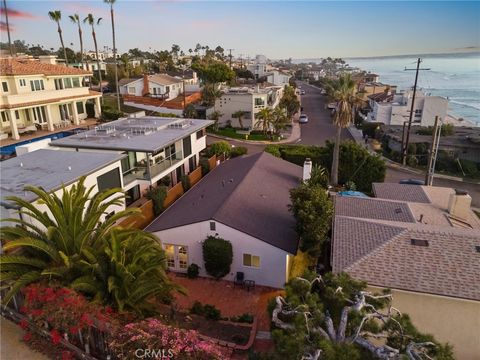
(434, 106)
(273, 261)
(451, 320)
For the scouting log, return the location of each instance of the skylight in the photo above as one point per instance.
(418, 242)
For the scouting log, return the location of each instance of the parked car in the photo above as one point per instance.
(332, 105)
(303, 119)
(302, 92)
(412, 182)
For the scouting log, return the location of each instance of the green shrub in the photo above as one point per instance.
(185, 182)
(244, 318)
(110, 114)
(219, 148)
(166, 180)
(238, 151)
(211, 312)
(192, 271)
(218, 256)
(157, 195)
(204, 165)
(274, 150)
(197, 308)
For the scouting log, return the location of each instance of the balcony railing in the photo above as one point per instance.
(140, 170)
(164, 164)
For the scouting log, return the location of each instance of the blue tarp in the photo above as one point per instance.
(352, 193)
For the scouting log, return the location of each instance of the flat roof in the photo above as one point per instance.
(145, 134)
(49, 169)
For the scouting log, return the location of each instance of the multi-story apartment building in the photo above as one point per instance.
(260, 67)
(394, 109)
(155, 148)
(250, 100)
(38, 94)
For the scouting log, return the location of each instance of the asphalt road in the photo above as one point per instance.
(319, 128)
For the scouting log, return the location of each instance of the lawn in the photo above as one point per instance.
(231, 133)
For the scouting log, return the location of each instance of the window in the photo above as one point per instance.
(109, 180)
(192, 163)
(76, 82)
(39, 114)
(212, 226)
(17, 115)
(5, 117)
(80, 108)
(133, 195)
(5, 86)
(251, 260)
(200, 134)
(36, 85)
(167, 89)
(23, 82)
(259, 102)
(58, 84)
(68, 83)
(131, 90)
(187, 146)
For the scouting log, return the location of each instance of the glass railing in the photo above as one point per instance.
(164, 164)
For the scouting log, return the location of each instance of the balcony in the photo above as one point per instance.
(166, 163)
(140, 171)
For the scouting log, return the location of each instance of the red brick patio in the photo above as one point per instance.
(229, 300)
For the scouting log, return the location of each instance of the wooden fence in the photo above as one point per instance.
(212, 162)
(141, 220)
(173, 194)
(195, 176)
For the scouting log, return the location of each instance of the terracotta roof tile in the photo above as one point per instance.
(10, 66)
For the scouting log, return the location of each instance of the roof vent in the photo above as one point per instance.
(69, 168)
(21, 164)
(398, 211)
(418, 242)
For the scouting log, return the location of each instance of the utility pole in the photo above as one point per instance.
(10, 47)
(432, 158)
(230, 56)
(405, 146)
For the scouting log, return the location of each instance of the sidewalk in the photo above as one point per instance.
(12, 346)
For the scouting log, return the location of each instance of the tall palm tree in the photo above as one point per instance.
(72, 243)
(343, 92)
(76, 20)
(56, 15)
(112, 17)
(10, 47)
(280, 119)
(239, 115)
(91, 21)
(266, 118)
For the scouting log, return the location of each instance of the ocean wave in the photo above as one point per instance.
(470, 105)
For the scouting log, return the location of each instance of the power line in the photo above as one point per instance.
(230, 56)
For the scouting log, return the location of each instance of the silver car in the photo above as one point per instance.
(303, 119)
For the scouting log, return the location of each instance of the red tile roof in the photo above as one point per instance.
(10, 66)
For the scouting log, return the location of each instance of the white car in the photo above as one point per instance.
(303, 119)
(302, 92)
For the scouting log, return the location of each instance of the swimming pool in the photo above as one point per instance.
(9, 150)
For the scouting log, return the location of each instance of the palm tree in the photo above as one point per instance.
(76, 20)
(280, 119)
(72, 243)
(343, 92)
(266, 118)
(8, 27)
(56, 16)
(111, 2)
(91, 21)
(239, 115)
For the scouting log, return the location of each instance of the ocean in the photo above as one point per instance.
(455, 76)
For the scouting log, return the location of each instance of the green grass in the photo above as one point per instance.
(231, 133)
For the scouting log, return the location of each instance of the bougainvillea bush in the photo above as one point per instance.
(62, 311)
(151, 334)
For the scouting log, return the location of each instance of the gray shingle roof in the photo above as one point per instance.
(402, 192)
(250, 194)
(377, 248)
(372, 209)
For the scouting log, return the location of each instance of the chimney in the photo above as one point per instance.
(459, 204)
(48, 59)
(307, 169)
(146, 87)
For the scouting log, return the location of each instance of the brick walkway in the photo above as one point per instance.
(230, 301)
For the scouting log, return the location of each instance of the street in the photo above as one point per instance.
(320, 128)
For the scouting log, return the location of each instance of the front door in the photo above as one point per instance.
(177, 257)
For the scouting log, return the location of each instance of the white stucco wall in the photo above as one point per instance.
(434, 106)
(273, 261)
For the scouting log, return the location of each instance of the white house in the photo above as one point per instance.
(155, 148)
(37, 94)
(250, 100)
(394, 109)
(245, 201)
(260, 67)
(278, 78)
(160, 86)
(52, 169)
(102, 55)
